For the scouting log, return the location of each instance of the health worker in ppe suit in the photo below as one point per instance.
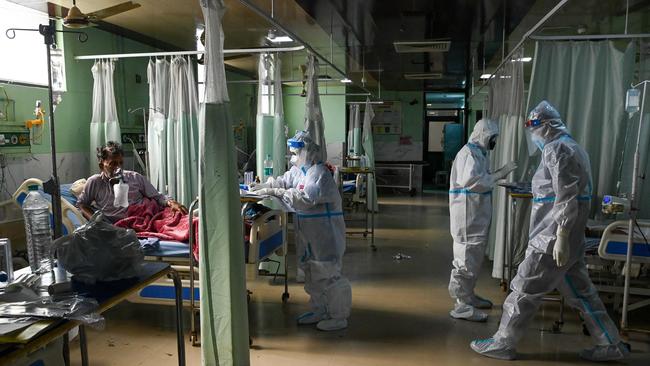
(555, 254)
(310, 190)
(470, 210)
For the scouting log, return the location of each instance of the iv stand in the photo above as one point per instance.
(633, 210)
(52, 186)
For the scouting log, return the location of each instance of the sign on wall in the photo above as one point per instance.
(388, 118)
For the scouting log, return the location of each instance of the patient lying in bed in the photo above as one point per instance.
(98, 192)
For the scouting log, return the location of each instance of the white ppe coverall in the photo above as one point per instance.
(320, 231)
(470, 210)
(561, 199)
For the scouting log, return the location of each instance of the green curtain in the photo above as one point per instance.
(224, 312)
(586, 82)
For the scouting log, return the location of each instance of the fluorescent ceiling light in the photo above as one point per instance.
(280, 39)
(486, 76)
(423, 76)
(523, 59)
(346, 81)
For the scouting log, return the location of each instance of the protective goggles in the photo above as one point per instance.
(295, 144)
(533, 123)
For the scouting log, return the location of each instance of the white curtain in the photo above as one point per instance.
(270, 131)
(182, 133)
(369, 151)
(354, 130)
(224, 313)
(505, 105)
(104, 124)
(313, 114)
(158, 78)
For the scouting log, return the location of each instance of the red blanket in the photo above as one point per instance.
(149, 220)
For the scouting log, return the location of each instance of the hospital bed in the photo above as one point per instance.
(268, 236)
(71, 217)
(606, 269)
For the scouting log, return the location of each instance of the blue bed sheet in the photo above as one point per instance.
(169, 249)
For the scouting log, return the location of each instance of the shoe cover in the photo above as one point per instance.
(468, 312)
(332, 324)
(310, 317)
(606, 353)
(493, 349)
(481, 303)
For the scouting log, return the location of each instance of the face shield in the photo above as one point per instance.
(296, 146)
(541, 120)
(534, 144)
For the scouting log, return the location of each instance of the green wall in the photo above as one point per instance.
(412, 115)
(72, 116)
(333, 107)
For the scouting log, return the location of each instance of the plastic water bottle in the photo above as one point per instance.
(268, 167)
(36, 211)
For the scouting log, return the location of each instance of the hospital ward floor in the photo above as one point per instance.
(399, 315)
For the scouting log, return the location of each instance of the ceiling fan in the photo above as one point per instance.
(75, 18)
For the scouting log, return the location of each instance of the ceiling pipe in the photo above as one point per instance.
(526, 35)
(293, 36)
(271, 19)
(183, 53)
(589, 37)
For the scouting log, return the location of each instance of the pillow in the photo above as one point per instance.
(78, 187)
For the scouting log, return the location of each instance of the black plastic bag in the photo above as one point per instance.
(99, 251)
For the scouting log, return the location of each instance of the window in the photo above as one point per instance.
(24, 57)
(267, 99)
(268, 85)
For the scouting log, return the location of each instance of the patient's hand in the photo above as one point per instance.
(177, 207)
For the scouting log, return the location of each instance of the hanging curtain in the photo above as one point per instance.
(369, 151)
(354, 132)
(586, 82)
(270, 131)
(97, 120)
(224, 313)
(158, 78)
(505, 106)
(279, 125)
(313, 114)
(182, 133)
(111, 121)
(104, 124)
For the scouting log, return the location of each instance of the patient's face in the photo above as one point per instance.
(111, 164)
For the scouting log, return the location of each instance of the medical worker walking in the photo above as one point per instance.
(309, 188)
(555, 255)
(470, 209)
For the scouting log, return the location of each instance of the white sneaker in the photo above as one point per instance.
(480, 303)
(606, 353)
(332, 324)
(493, 349)
(310, 318)
(468, 312)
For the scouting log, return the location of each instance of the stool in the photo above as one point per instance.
(442, 178)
